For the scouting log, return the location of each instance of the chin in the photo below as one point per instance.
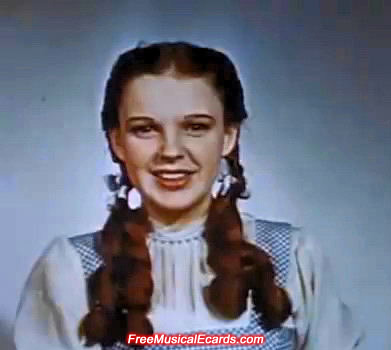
(176, 205)
(178, 202)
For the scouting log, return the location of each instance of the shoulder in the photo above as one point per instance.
(87, 248)
(271, 232)
(64, 254)
(293, 251)
(58, 252)
(85, 241)
(58, 267)
(266, 232)
(275, 238)
(53, 300)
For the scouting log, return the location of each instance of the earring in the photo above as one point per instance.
(223, 181)
(134, 199)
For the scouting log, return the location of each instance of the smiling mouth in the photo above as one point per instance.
(173, 180)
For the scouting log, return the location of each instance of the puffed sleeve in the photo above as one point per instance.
(321, 319)
(53, 301)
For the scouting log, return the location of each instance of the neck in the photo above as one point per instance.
(179, 218)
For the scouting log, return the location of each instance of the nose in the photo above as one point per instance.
(172, 146)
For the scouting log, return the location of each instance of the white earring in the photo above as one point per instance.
(134, 199)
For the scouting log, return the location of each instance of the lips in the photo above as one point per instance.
(173, 179)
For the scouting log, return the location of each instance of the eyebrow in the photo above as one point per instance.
(196, 116)
(186, 117)
(138, 118)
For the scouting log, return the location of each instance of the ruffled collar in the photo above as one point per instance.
(177, 232)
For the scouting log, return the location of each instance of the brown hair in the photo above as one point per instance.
(120, 290)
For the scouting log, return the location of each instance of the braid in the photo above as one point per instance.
(239, 266)
(120, 290)
(239, 189)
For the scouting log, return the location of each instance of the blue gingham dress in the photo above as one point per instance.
(273, 237)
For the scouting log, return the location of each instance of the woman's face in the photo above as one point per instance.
(171, 139)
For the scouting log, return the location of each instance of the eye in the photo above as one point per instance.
(143, 131)
(197, 129)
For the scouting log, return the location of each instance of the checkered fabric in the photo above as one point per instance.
(273, 237)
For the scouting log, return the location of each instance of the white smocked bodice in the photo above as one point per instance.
(180, 273)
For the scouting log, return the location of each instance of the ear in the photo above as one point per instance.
(230, 137)
(116, 143)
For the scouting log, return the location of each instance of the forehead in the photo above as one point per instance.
(164, 96)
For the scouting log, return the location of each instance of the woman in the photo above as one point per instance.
(175, 255)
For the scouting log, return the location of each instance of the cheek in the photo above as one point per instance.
(209, 153)
(137, 156)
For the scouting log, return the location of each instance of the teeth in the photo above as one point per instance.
(172, 176)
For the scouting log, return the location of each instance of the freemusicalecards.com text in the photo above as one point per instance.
(194, 339)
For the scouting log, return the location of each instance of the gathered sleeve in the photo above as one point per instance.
(53, 301)
(321, 319)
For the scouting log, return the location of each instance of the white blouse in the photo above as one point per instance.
(54, 299)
